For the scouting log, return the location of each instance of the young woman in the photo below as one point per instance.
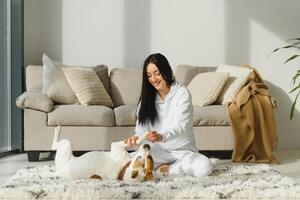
(165, 111)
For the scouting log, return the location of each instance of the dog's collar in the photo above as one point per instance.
(122, 172)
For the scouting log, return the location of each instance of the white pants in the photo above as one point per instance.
(182, 161)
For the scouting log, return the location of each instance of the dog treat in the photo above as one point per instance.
(141, 139)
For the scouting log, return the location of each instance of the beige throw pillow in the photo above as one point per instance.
(238, 76)
(87, 86)
(55, 84)
(205, 87)
(102, 73)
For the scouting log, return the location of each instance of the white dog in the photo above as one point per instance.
(115, 164)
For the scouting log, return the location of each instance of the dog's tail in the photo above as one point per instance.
(55, 138)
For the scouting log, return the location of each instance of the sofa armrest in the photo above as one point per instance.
(35, 100)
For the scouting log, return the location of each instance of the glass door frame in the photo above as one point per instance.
(6, 76)
(14, 55)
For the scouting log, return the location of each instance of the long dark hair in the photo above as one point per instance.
(147, 111)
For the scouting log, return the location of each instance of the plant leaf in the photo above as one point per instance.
(293, 39)
(285, 47)
(295, 88)
(293, 106)
(291, 58)
(294, 79)
(295, 44)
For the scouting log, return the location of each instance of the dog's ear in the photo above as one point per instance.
(149, 177)
(149, 168)
(149, 164)
(134, 173)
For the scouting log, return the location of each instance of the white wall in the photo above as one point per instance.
(201, 32)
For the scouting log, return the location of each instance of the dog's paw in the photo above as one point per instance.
(163, 170)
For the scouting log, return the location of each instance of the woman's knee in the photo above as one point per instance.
(204, 167)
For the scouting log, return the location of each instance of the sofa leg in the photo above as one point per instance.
(33, 156)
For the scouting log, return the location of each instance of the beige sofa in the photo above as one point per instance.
(96, 127)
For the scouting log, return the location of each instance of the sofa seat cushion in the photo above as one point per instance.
(125, 115)
(79, 115)
(212, 115)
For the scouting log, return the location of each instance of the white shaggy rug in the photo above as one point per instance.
(228, 181)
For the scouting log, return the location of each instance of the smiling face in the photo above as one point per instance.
(141, 166)
(155, 78)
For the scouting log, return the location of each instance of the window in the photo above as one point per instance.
(5, 134)
(11, 65)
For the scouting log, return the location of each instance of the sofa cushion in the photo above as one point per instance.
(205, 87)
(87, 86)
(35, 100)
(102, 73)
(212, 115)
(238, 76)
(126, 85)
(79, 115)
(34, 74)
(34, 77)
(55, 84)
(125, 115)
(185, 73)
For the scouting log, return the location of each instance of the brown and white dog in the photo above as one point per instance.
(115, 164)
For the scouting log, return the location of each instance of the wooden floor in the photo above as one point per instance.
(290, 164)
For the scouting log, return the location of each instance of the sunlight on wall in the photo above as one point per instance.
(262, 43)
(277, 76)
(82, 26)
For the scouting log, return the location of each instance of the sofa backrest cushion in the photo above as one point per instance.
(34, 80)
(185, 73)
(126, 85)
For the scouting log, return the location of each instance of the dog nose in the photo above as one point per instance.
(146, 146)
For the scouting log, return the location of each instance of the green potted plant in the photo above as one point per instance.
(295, 44)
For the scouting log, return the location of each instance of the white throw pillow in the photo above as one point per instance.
(206, 87)
(238, 76)
(87, 86)
(55, 84)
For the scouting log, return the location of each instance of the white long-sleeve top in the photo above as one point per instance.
(175, 120)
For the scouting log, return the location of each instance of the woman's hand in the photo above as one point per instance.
(153, 136)
(131, 141)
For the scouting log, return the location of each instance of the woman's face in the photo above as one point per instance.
(155, 78)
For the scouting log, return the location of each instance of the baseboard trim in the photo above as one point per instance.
(221, 154)
(9, 153)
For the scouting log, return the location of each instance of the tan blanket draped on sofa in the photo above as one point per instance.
(253, 123)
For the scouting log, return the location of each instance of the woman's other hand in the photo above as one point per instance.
(153, 137)
(131, 141)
